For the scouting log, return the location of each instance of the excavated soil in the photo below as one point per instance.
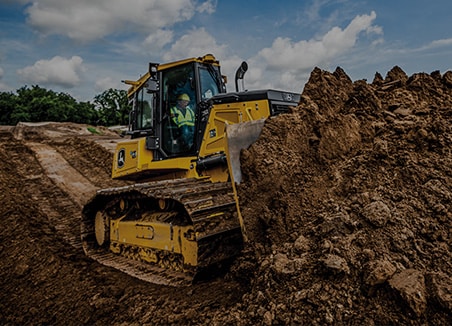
(347, 208)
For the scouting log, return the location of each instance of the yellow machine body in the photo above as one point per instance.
(182, 214)
(137, 160)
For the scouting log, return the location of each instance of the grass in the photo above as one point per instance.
(94, 131)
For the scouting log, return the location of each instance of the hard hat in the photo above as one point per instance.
(183, 97)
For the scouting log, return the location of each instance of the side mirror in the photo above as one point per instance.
(152, 84)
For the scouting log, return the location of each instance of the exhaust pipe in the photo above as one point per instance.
(239, 74)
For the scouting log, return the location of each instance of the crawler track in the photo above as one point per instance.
(208, 208)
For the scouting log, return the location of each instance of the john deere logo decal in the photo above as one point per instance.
(121, 158)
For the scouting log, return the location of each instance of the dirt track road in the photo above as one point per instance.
(48, 171)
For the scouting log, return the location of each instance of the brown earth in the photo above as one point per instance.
(346, 201)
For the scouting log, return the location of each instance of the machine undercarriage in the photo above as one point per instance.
(176, 227)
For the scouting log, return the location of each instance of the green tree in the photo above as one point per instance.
(8, 104)
(113, 107)
(37, 104)
(86, 113)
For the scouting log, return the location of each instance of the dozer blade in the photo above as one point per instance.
(241, 136)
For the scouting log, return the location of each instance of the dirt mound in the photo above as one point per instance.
(348, 204)
(346, 201)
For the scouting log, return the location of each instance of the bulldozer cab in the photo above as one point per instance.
(170, 143)
(172, 131)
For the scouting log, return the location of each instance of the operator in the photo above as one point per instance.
(184, 118)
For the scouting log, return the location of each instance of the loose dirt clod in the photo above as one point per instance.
(347, 207)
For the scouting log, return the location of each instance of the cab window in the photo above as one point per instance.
(144, 118)
(179, 103)
(209, 84)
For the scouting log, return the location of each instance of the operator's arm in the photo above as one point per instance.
(174, 116)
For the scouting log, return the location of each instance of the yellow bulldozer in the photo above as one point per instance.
(181, 214)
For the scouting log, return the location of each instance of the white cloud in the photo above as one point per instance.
(159, 38)
(312, 11)
(439, 43)
(56, 71)
(286, 64)
(207, 7)
(285, 53)
(86, 20)
(107, 83)
(197, 42)
(397, 51)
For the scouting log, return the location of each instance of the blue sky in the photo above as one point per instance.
(84, 47)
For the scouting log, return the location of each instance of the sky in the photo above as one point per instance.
(84, 47)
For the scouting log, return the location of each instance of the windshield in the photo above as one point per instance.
(209, 84)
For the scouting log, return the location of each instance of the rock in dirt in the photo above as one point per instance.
(410, 285)
(377, 213)
(378, 272)
(336, 264)
(440, 289)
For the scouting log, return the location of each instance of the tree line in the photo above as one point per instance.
(37, 104)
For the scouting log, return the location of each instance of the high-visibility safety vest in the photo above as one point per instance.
(183, 120)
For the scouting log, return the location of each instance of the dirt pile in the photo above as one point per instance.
(346, 201)
(348, 204)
